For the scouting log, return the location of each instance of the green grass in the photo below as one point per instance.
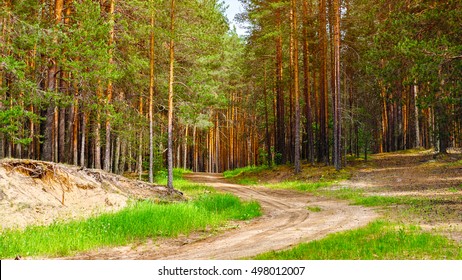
(191, 190)
(378, 240)
(314, 208)
(357, 197)
(299, 185)
(137, 222)
(244, 170)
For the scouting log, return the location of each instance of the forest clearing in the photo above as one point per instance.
(153, 129)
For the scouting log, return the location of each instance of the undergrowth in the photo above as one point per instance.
(244, 170)
(190, 189)
(378, 240)
(137, 222)
(299, 185)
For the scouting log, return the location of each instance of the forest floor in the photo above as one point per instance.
(428, 189)
(285, 222)
(430, 186)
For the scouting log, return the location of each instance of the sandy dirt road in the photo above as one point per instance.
(285, 222)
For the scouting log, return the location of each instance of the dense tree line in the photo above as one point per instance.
(377, 76)
(94, 83)
(131, 85)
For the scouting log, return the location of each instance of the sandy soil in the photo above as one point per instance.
(435, 179)
(416, 174)
(285, 222)
(39, 193)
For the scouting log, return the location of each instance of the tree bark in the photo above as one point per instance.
(309, 144)
(49, 139)
(151, 96)
(109, 90)
(323, 147)
(170, 97)
(416, 116)
(296, 89)
(337, 94)
(280, 114)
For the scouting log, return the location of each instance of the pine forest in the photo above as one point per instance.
(141, 86)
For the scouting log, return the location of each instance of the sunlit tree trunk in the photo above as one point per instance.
(97, 130)
(309, 143)
(416, 115)
(49, 149)
(337, 154)
(280, 114)
(296, 88)
(170, 97)
(83, 129)
(151, 96)
(267, 134)
(109, 90)
(323, 147)
(140, 140)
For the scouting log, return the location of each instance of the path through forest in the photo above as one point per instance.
(285, 222)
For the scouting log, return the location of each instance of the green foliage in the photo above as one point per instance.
(11, 121)
(188, 188)
(229, 205)
(314, 209)
(300, 185)
(379, 240)
(244, 170)
(137, 222)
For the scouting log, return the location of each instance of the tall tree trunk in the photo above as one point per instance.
(48, 143)
(151, 96)
(109, 90)
(309, 146)
(97, 130)
(416, 115)
(280, 114)
(195, 153)
(185, 148)
(337, 94)
(140, 141)
(75, 127)
(170, 98)
(123, 155)
(83, 139)
(296, 88)
(267, 134)
(323, 148)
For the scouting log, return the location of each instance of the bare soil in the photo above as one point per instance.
(434, 179)
(418, 174)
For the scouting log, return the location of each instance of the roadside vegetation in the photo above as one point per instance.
(207, 211)
(378, 240)
(397, 235)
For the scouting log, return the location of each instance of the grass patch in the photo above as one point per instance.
(378, 240)
(229, 206)
(137, 222)
(246, 181)
(191, 190)
(243, 170)
(314, 208)
(404, 208)
(299, 185)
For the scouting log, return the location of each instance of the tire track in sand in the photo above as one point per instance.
(285, 222)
